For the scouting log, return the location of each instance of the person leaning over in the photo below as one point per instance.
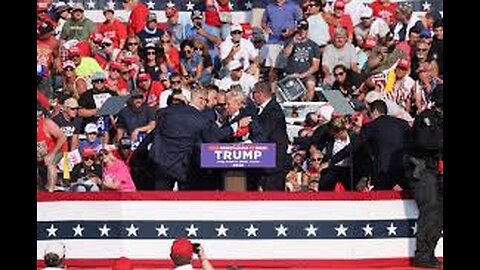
(181, 254)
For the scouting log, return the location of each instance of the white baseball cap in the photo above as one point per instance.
(91, 128)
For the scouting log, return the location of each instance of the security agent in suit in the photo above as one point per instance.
(272, 120)
(426, 179)
(177, 137)
(388, 139)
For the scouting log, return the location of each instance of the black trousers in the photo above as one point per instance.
(427, 187)
(330, 176)
(273, 181)
(165, 182)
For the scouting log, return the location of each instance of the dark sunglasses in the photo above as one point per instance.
(311, 5)
(176, 82)
(132, 43)
(221, 104)
(98, 81)
(92, 133)
(198, 49)
(69, 69)
(116, 70)
(236, 32)
(151, 53)
(364, 18)
(422, 50)
(89, 158)
(73, 109)
(188, 51)
(339, 74)
(316, 159)
(165, 41)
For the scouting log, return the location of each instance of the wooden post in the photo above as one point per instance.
(235, 180)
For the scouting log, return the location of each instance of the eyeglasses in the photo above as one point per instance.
(364, 18)
(236, 32)
(188, 51)
(165, 41)
(132, 43)
(98, 81)
(73, 109)
(69, 69)
(106, 44)
(311, 5)
(151, 53)
(316, 159)
(421, 50)
(176, 82)
(205, 99)
(115, 70)
(198, 49)
(92, 133)
(339, 74)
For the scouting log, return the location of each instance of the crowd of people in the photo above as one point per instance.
(210, 80)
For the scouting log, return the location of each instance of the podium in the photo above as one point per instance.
(236, 159)
(235, 180)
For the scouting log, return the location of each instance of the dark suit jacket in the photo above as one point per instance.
(256, 132)
(388, 139)
(272, 120)
(178, 135)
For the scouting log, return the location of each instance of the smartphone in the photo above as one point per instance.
(196, 248)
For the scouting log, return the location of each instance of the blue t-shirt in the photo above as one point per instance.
(191, 32)
(279, 18)
(97, 143)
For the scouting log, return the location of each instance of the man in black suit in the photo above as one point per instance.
(178, 135)
(272, 120)
(388, 139)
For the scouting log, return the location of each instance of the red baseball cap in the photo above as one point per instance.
(339, 4)
(88, 152)
(74, 51)
(370, 43)
(170, 11)
(403, 63)
(42, 6)
(143, 77)
(181, 247)
(96, 37)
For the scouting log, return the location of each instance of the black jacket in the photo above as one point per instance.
(256, 133)
(178, 135)
(272, 120)
(388, 139)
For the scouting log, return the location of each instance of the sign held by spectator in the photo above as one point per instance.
(226, 155)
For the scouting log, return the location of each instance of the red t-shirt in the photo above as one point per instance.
(152, 96)
(174, 57)
(387, 13)
(404, 46)
(138, 19)
(212, 16)
(45, 49)
(114, 31)
(345, 22)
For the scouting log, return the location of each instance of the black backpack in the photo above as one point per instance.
(428, 131)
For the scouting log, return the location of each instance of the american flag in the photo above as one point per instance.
(248, 228)
(238, 5)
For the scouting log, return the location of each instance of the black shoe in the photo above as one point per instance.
(426, 263)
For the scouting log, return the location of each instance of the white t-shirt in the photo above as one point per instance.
(318, 30)
(247, 51)
(333, 56)
(413, 20)
(379, 28)
(165, 94)
(247, 82)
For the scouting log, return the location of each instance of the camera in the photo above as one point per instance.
(196, 248)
